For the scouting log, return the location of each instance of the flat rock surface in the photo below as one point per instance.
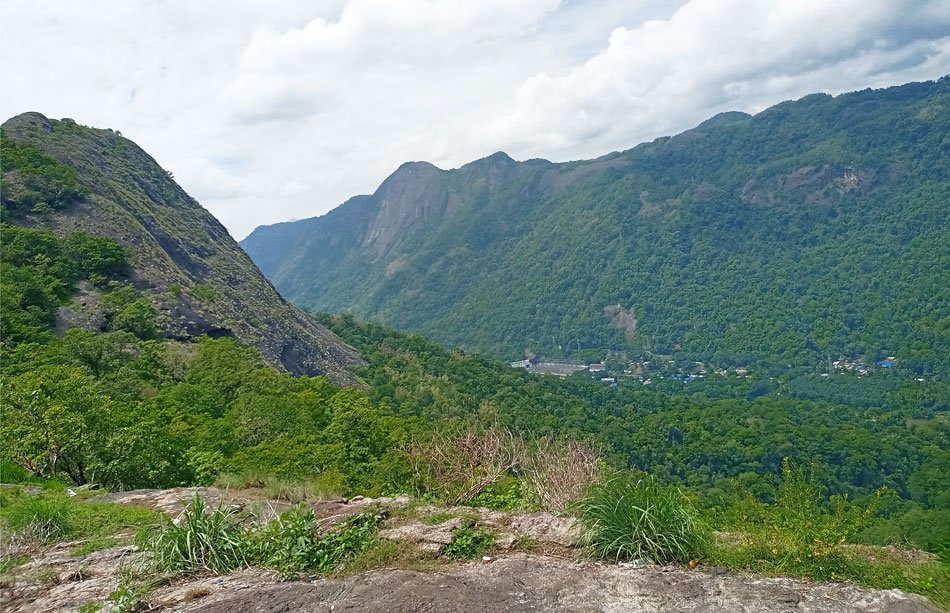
(522, 583)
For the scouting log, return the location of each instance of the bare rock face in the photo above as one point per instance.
(523, 583)
(547, 528)
(56, 580)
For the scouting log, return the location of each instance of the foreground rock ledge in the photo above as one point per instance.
(539, 583)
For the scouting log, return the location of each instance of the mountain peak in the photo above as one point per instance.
(25, 120)
(496, 161)
(724, 119)
(186, 264)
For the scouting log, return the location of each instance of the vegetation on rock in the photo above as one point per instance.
(124, 218)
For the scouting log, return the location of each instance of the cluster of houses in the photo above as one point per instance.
(559, 369)
(636, 370)
(563, 369)
(645, 372)
(859, 367)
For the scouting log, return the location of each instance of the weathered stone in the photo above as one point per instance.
(526, 583)
(418, 532)
(547, 528)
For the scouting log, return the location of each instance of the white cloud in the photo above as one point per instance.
(713, 55)
(266, 113)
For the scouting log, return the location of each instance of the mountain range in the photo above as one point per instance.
(812, 230)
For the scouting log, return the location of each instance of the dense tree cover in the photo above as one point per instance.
(128, 410)
(38, 272)
(813, 230)
(115, 409)
(30, 180)
(711, 437)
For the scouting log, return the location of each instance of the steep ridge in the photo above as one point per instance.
(197, 277)
(814, 229)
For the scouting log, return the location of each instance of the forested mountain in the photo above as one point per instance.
(814, 229)
(147, 257)
(134, 337)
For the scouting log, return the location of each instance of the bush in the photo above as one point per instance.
(292, 543)
(560, 470)
(470, 543)
(631, 516)
(458, 467)
(203, 539)
(799, 534)
(507, 495)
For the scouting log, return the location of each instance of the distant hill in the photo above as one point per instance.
(64, 177)
(815, 229)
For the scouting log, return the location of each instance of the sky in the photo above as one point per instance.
(279, 110)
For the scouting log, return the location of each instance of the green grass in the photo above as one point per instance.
(203, 539)
(327, 485)
(385, 554)
(93, 545)
(470, 542)
(293, 543)
(43, 518)
(9, 562)
(53, 516)
(632, 516)
(434, 519)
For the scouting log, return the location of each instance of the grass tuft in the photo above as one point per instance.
(632, 516)
(202, 538)
(41, 518)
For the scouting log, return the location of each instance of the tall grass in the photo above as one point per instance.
(41, 518)
(632, 516)
(52, 516)
(292, 543)
(202, 538)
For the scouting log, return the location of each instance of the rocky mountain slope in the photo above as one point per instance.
(815, 229)
(197, 277)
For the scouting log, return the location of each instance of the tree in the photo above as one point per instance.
(54, 419)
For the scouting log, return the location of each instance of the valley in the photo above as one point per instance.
(747, 323)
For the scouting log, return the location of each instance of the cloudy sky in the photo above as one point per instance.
(268, 111)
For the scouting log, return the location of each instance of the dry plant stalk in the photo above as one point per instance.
(464, 464)
(560, 471)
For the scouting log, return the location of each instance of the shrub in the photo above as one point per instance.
(292, 543)
(470, 542)
(458, 467)
(202, 539)
(508, 494)
(799, 534)
(559, 471)
(634, 516)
